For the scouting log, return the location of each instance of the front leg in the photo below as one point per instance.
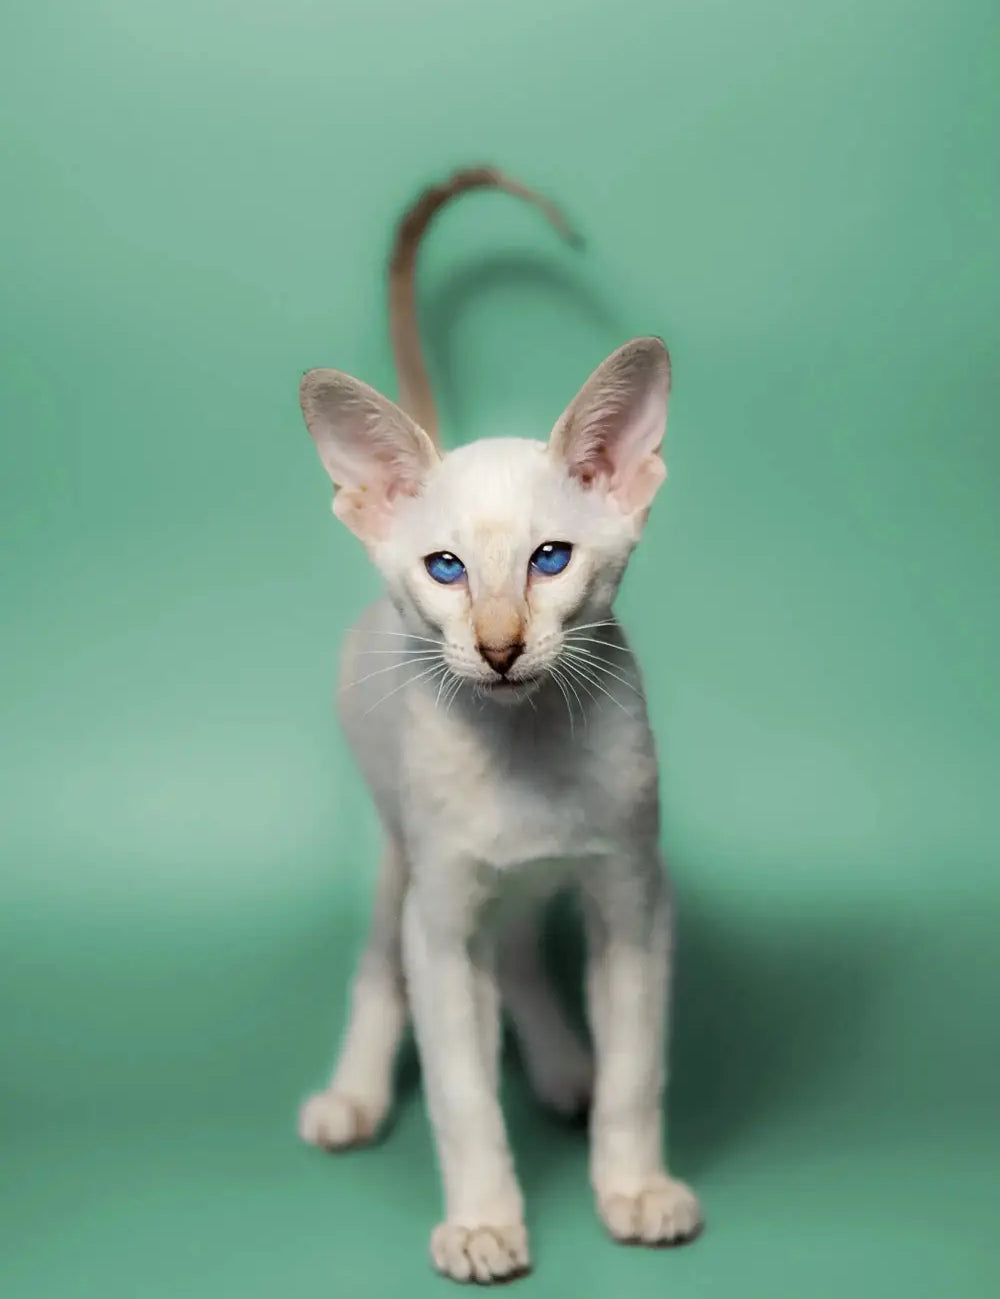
(456, 1012)
(628, 974)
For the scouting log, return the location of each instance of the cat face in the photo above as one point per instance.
(498, 548)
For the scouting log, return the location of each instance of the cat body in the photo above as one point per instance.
(496, 711)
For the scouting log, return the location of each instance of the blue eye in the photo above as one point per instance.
(551, 558)
(444, 567)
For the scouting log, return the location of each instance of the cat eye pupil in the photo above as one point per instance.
(551, 557)
(444, 567)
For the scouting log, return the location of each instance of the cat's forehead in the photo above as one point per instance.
(495, 478)
(495, 497)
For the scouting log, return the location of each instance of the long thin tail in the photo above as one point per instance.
(415, 394)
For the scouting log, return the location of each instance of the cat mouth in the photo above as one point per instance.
(511, 686)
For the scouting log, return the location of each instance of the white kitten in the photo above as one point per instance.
(498, 716)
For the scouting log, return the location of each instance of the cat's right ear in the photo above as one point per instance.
(372, 450)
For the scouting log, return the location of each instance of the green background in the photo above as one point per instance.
(197, 200)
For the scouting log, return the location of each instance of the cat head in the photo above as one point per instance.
(499, 548)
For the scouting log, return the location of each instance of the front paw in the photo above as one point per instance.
(335, 1121)
(483, 1254)
(663, 1211)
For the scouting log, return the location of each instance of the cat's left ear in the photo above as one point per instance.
(609, 437)
(372, 450)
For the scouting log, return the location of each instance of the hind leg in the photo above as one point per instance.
(559, 1066)
(360, 1093)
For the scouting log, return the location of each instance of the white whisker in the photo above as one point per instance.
(445, 681)
(588, 626)
(401, 652)
(583, 711)
(584, 672)
(556, 677)
(571, 684)
(453, 694)
(443, 675)
(406, 635)
(392, 667)
(435, 667)
(586, 689)
(599, 664)
(593, 640)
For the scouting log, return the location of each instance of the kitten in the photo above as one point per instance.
(497, 713)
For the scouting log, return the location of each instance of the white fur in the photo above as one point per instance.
(494, 796)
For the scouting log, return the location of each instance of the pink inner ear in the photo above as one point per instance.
(366, 513)
(635, 489)
(401, 487)
(612, 436)
(372, 450)
(591, 471)
(367, 508)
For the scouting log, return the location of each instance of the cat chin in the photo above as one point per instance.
(507, 693)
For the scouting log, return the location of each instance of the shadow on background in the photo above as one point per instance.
(766, 1021)
(444, 310)
(772, 1013)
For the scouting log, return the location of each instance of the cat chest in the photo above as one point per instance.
(505, 813)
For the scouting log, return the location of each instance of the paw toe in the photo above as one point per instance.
(664, 1212)
(483, 1254)
(334, 1121)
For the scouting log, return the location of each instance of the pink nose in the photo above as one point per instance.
(501, 658)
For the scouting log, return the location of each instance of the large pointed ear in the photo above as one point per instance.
(371, 449)
(609, 437)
